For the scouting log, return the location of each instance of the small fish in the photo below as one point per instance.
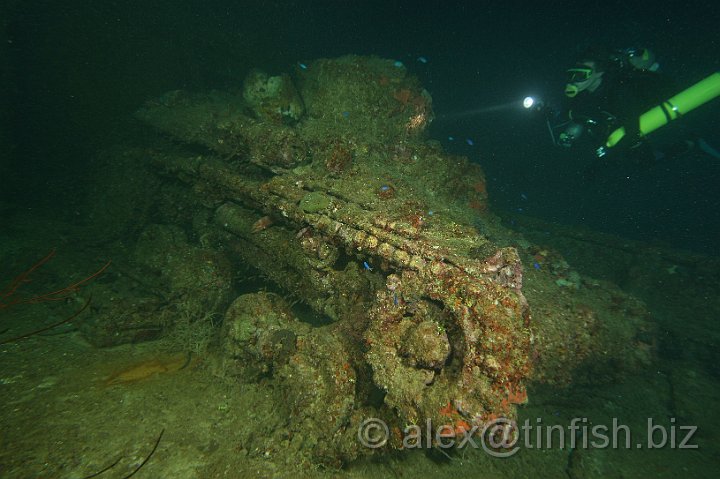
(148, 368)
(422, 59)
(262, 224)
(398, 64)
(367, 266)
(523, 196)
(536, 265)
(469, 142)
(303, 66)
(451, 138)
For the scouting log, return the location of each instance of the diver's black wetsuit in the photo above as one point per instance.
(621, 98)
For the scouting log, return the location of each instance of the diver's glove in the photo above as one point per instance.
(572, 132)
(565, 140)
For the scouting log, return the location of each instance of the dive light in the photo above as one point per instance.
(532, 103)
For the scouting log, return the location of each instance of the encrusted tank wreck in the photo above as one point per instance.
(326, 183)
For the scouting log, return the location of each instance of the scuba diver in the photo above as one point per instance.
(615, 98)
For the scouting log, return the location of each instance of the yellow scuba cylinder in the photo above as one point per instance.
(677, 106)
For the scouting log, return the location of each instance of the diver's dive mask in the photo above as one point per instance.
(579, 74)
(580, 78)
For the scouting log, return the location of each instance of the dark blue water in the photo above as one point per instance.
(77, 70)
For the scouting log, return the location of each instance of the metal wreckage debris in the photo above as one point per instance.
(331, 190)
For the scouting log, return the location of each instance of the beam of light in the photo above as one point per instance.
(513, 105)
